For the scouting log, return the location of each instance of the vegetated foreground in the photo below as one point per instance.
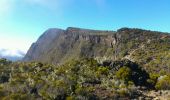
(84, 79)
(82, 64)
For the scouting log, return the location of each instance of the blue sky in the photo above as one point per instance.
(23, 21)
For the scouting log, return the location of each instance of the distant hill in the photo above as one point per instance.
(149, 49)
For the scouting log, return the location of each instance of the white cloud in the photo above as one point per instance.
(13, 43)
(11, 53)
(6, 6)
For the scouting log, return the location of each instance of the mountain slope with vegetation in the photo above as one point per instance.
(83, 64)
(149, 49)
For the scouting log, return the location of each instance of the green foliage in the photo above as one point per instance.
(4, 78)
(153, 79)
(74, 80)
(4, 61)
(123, 92)
(102, 71)
(124, 73)
(18, 96)
(163, 83)
(80, 77)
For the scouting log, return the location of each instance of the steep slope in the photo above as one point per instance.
(72, 43)
(150, 49)
(41, 46)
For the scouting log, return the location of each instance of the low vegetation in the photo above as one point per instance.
(84, 79)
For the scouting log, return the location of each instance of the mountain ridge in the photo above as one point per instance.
(75, 43)
(93, 65)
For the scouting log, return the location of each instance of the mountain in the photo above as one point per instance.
(13, 55)
(84, 64)
(42, 45)
(148, 48)
(67, 44)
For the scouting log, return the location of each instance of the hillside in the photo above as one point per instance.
(149, 49)
(84, 64)
(70, 44)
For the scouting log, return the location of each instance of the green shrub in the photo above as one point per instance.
(163, 83)
(124, 73)
(153, 79)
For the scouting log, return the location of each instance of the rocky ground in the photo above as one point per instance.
(155, 95)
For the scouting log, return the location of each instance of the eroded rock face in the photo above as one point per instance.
(58, 46)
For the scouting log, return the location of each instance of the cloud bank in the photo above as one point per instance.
(11, 53)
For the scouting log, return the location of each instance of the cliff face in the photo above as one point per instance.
(58, 46)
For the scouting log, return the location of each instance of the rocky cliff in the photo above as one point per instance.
(57, 46)
(142, 46)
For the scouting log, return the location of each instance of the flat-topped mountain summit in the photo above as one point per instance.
(58, 46)
(88, 31)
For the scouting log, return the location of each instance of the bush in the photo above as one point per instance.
(124, 73)
(163, 83)
(4, 78)
(152, 79)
